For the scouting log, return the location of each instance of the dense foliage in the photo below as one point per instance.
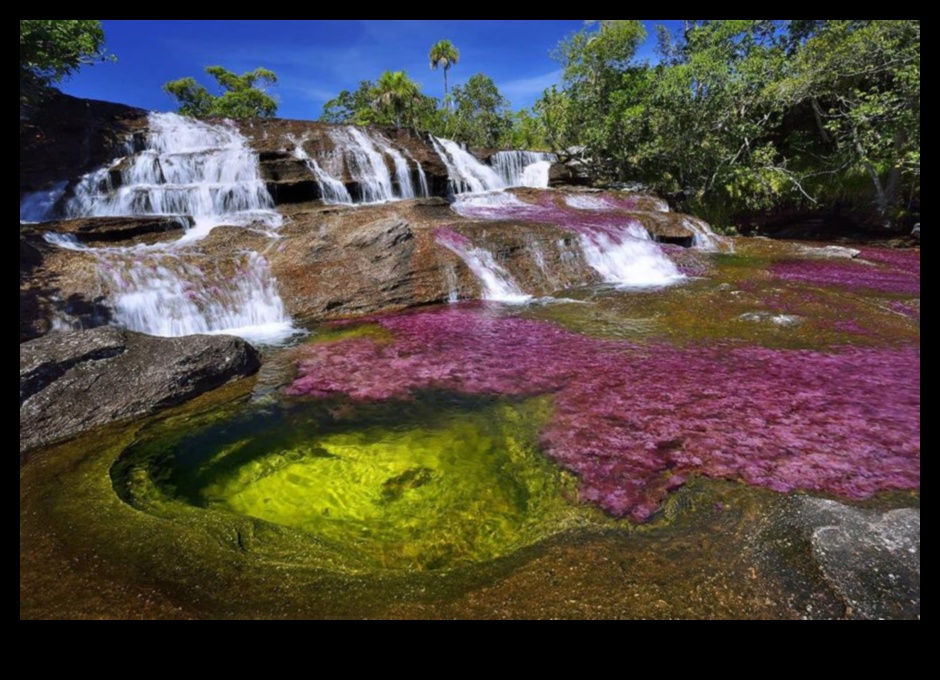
(746, 115)
(53, 49)
(478, 115)
(240, 96)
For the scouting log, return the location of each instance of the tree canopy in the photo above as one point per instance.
(742, 115)
(240, 96)
(481, 115)
(54, 49)
(397, 94)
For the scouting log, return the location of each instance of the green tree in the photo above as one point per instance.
(396, 93)
(354, 107)
(444, 54)
(481, 115)
(53, 49)
(597, 76)
(366, 106)
(240, 96)
(861, 80)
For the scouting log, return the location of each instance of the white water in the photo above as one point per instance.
(629, 258)
(332, 191)
(536, 174)
(365, 156)
(466, 173)
(189, 168)
(193, 168)
(498, 284)
(423, 181)
(523, 168)
(704, 238)
(492, 205)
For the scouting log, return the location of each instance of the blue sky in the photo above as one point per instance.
(314, 60)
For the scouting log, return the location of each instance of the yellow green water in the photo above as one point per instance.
(429, 484)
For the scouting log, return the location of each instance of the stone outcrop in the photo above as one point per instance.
(76, 380)
(116, 230)
(64, 137)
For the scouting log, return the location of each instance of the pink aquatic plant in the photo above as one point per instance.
(635, 422)
(887, 271)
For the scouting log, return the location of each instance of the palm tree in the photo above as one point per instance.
(395, 90)
(444, 54)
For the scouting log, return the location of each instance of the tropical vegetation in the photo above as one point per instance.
(240, 96)
(54, 49)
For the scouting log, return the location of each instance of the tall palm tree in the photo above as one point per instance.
(444, 54)
(396, 91)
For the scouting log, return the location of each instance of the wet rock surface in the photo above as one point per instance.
(73, 381)
(871, 558)
(103, 231)
(65, 136)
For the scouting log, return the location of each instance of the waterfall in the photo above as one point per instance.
(192, 168)
(523, 168)
(332, 191)
(188, 168)
(423, 181)
(365, 157)
(627, 257)
(39, 205)
(365, 163)
(704, 238)
(402, 173)
(466, 173)
(498, 284)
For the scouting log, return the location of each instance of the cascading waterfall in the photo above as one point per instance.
(365, 160)
(467, 174)
(523, 168)
(188, 168)
(332, 191)
(627, 257)
(498, 284)
(165, 293)
(619, 250)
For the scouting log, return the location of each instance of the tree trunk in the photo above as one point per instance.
(446, 100)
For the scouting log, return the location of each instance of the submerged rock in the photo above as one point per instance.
(73, 381)
(872, 559)
(835, 252)
(770, 317)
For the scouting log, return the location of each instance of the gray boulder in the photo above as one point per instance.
(871, 558)
(76, 380)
